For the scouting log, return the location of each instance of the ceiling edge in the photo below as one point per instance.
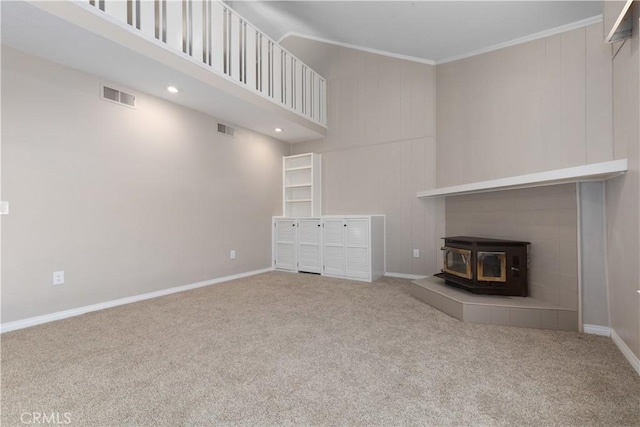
(535, 36)
(531, 37)
(355, 47)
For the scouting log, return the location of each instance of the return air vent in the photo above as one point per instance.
(118, 96)
(225, 129)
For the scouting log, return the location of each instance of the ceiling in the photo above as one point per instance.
(429, 30)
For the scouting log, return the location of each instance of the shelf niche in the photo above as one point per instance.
(301, 195)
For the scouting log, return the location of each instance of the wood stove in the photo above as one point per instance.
(486, 266)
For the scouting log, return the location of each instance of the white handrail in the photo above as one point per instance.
(213, 33)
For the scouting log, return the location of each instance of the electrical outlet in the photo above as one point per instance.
(58, 277)
(232, 254)
(416, 253)
(4, 208)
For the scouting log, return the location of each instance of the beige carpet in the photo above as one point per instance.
(300, 349)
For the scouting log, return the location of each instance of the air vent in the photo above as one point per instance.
(114, 95)
(225, 129)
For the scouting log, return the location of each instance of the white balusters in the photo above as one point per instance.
(276, 65)
(117, 9)
(197, 29)
(216, 36)
(218, 39)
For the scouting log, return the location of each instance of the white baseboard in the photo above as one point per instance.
(404, 276)
(597, 330)
(38, 320)
(635, 362)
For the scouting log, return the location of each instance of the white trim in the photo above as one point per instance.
(635, 362)
(356, 47)
(405, 276)
(531, 37)
(592, 172)
(535, 36)
(606, 250)
(579, 252)
(605, 331)
(38, 320)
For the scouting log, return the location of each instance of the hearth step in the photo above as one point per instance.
(492, 309)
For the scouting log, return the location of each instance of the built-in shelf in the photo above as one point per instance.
(593, 172)
(301, 186)
(301, 168)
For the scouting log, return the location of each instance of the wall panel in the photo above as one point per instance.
(528, 108)
(379, 148)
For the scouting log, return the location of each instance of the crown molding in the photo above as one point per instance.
(360, 48)
(531, 37)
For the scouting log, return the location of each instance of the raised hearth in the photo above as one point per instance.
(493, 309)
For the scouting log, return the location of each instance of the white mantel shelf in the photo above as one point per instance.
(593, 172)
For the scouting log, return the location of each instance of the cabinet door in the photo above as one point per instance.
(333, 242)
(357, 248)
(285, 244)
(309, 246)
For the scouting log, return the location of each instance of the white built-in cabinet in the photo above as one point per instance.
(309, 251)
(284, 244)
(301, 197)
(297, 244)
(351, 247)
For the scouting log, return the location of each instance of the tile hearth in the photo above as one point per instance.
(492, 309)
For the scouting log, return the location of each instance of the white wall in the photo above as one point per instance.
(124, 201)
(380, 146)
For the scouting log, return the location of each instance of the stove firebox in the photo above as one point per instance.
(486, 266)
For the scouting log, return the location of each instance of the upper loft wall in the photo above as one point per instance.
(532, 107)
(379, 148)
(372, 99)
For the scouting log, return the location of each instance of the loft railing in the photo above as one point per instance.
(214, 34)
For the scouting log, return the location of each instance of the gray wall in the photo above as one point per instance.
(124, 201)
(537, 106)
(623, 194)
(544, 216)
(379, 149)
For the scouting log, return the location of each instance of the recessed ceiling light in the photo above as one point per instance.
(278, 129)
(172, 89)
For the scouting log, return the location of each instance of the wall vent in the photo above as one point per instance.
(114, 95)
(226, 129)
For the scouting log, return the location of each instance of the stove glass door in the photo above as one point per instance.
(492, 266)
(457, 262)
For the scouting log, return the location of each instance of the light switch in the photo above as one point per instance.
(4, 208)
